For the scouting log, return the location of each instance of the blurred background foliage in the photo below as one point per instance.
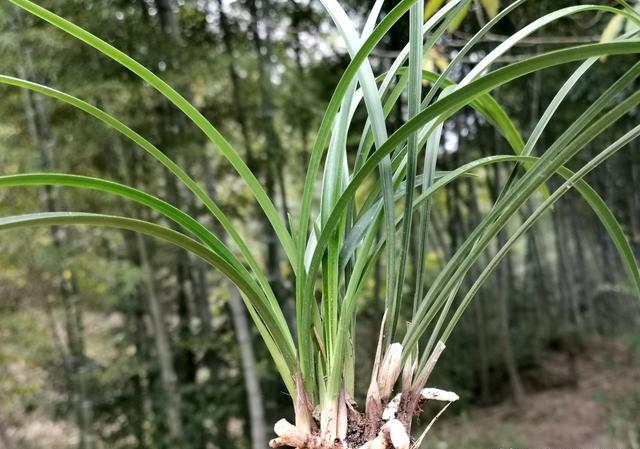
(112, 341)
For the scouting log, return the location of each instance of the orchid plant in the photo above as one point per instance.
(345, 223)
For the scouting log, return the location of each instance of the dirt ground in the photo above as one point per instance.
(602, 409)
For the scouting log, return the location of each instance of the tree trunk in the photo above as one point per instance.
(505, 288)
(240, 111)
(582, 269)
(634, 195)
(565, 279)
(168, 377)
(168, 21)
(537, 292)
(478, 309)
(242, 329)
(251, 379)
(42, 137)
(272, 149)
(568, 298)
(483, 360)
(163, 346)
(303, 120)
(272, 145)
(142, 406)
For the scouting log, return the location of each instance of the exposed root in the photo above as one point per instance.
(397, 433)
(386, 421)
(289, 435)
(427, 394)
(391, 432)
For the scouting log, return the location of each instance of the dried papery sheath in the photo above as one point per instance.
(373, 404)
(427, 394)
(436, 394)
(390, 370)
(304, 420)
(407, 374)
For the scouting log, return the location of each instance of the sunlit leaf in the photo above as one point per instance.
(491, 7)
(457, 21)
(613, 29)
(431, 7)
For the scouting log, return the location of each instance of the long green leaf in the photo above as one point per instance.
(376, 115)
(414, 95)
(164, 160)
(500, 213)
(597, 204)
(608, 220)
(181, 218)
(460, 97)
(284, 352)
(304, 306)
(86, 182)
(181, 103)
(532, 27)
(449, 105)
